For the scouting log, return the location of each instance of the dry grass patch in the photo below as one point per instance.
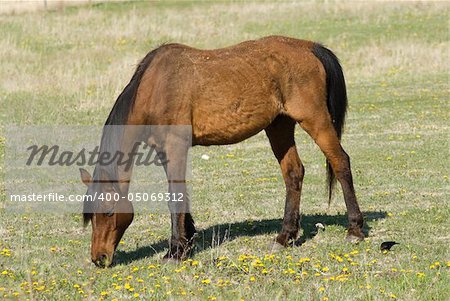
(398, 57)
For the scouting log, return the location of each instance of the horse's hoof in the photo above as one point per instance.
(170, 260)
(354, 239)
(355, 236)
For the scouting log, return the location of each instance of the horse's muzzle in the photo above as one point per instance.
(102, 261)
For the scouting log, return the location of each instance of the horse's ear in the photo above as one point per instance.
(86, 177)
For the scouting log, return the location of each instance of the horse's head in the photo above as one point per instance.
(110, 214)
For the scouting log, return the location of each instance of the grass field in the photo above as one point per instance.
(67, 67)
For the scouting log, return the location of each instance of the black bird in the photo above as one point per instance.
(387, 245)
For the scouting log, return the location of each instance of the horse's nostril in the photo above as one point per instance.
(101, 261)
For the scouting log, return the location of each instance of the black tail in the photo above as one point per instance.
(336, 99)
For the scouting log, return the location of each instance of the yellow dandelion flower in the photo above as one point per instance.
(242, 257)
(269, 257)
(252, 278)
(206, 281)
(304, 259)
(136, 295)
(166, 278)
(5, 252)
(321, 289)
(103, 293)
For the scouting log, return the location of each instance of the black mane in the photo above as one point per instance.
(113, 128)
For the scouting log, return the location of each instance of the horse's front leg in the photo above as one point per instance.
(183, 229)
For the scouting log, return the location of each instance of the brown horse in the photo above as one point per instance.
(225, 96)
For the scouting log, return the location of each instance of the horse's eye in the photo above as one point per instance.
(109, 213)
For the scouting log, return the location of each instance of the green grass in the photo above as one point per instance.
(67, 67)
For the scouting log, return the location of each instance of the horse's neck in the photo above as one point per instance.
(123, 141)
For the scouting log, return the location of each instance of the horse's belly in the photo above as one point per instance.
(216, 123)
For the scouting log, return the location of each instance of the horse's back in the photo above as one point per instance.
(226, 94)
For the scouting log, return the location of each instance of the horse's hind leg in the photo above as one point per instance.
(281, 136)
(312, 114)
(326, 139)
